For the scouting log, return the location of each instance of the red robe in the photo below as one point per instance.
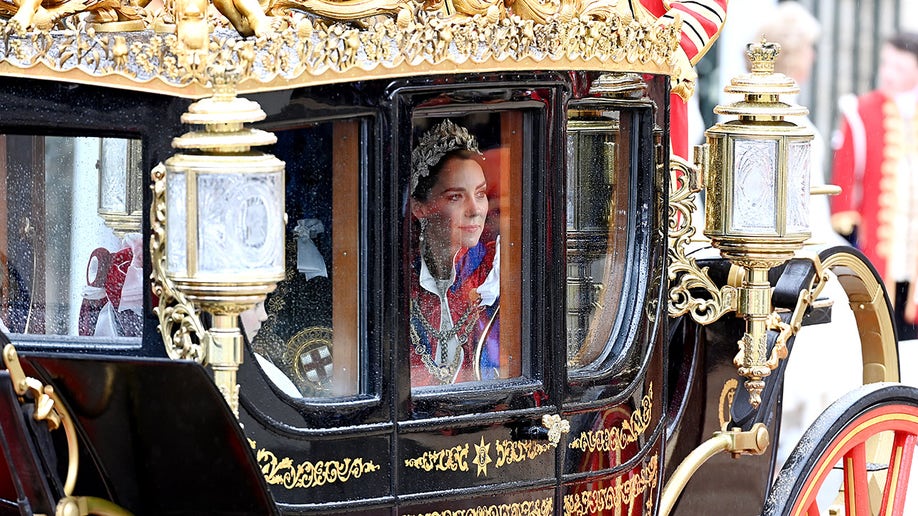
(865, 166)
(469, 316)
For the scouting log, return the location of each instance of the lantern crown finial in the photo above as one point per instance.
(762, 56)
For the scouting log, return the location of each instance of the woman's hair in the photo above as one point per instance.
(426, 183)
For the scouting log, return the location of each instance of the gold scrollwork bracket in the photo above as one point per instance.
(183, 333)
(685, 276)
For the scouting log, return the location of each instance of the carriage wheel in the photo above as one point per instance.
(866, 439)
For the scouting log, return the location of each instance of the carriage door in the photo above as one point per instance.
(476, 188)
(614, 214)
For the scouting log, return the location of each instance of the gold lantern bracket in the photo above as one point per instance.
(221, 139)
(752, 250)
(183, 333)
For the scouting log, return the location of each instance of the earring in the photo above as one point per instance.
(423, 231)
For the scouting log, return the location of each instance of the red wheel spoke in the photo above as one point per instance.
(813, 509)
(857, 496)
(900, 465)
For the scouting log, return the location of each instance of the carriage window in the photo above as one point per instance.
(306, 334)
(71, 257)
(598, 162)
(464, 249)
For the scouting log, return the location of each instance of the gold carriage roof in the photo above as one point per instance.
(277, 44)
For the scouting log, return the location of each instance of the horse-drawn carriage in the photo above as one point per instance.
(412, 258)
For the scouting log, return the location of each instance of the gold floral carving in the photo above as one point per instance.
(457, 458)
(511, 452)
(614, 439)
(451, 459)
(309, 474)
(181, 328)
(623, 493)
(308, 51)
(541, 507)
(685, 276)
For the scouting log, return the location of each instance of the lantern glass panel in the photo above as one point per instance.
(756, 169)
(176, 244)
(798, 186)
(240, 228)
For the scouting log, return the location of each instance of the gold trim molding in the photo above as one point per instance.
(541, 507)
(309, 474)
(614, 439)
(320, 52)
(506, 452)
(624, 492)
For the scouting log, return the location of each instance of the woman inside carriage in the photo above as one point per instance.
(455, 290)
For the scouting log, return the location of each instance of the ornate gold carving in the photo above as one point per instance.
(451, 459)
(684, 273)
(183, 333)
(614, 439)
(612, 498)
(309, 474)
(482, 457)
(541, 507)
(44, 14)
(556, 425)
(726, 401)
(457, 458)
(320, 51)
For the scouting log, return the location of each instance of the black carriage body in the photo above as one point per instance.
(157, 437)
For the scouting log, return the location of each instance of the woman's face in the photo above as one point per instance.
(456, 207)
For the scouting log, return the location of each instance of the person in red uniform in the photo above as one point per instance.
(876, 165)
(455, 289)
(702, 21)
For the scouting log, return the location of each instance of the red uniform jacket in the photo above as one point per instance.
(867, 151)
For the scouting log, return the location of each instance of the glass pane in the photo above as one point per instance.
(238, 203)
(306, 334)
(597, 203)
(798, 187)
(70, 242)
(754, 186)
(464, 314)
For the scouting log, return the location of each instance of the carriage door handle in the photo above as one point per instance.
(553, 425)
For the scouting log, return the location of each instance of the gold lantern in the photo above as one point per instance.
(755, 170)
(224, 222)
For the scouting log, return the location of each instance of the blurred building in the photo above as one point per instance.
(852, 34)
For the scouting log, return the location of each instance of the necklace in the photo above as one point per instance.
(444, 372)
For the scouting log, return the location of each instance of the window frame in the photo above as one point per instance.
(542, 186)
(311, 416)
(631, 339)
